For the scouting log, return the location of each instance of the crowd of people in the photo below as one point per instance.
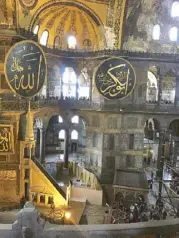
(138, 212)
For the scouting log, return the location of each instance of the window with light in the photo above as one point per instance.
(44, 38)
(74, 135)
(156, 32)
(173, 34)
(36, 29)
(75, 120)
(175, 9)
(60, 119)
(72, 42)
(69, 80)
(61, 135)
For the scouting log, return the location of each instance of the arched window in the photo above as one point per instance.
(60, 119)
(44, 38)
(75, 120)
(152, 88)
(72, 42)
(74, 135)
(57, 42)
(173, 33)
(36, 29)
(156, 32)
(61, 134)
(84, 85)
(69, 80)
(175, 9)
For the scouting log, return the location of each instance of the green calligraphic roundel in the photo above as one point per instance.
(25, 68)
(115, 78)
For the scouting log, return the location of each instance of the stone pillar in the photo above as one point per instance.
(176, 103)
(41, 144)
(66, 144)
(160, 89)
(160, 154)
(175, 150)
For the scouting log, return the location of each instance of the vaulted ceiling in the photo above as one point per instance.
(64, 20)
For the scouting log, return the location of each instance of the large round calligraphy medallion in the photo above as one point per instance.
(25, 68)
(29, 4)
(115, 78)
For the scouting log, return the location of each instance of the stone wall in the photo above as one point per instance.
(140, 18)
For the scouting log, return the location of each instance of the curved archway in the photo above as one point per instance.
(151, 142)
(38, 126)
(77, 4)
(152, 85)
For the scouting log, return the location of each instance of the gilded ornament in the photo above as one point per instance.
(7, 175)
(6, 139)
(115, 78)
(25, 68)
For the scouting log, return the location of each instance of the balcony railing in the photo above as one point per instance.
(70, 104)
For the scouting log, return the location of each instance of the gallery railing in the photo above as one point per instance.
(70, 104)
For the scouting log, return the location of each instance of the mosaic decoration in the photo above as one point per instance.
(115, 78)
(6, 139)
(25, 68)
(72, 27)
(85, 33)
(61, 27)
(29, 4)
(50, 22)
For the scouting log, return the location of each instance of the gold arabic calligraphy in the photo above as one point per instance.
(25, 80)
(5, 140)
(116, 81)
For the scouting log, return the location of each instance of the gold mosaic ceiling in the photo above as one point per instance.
(65, 20)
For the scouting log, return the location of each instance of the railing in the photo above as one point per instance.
(22, 105)
(50, 178)
(17, 105)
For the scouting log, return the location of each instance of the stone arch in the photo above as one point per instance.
(174, 127)
(78, 4)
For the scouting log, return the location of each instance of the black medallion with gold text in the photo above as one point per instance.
(115, 78)
(25, 68)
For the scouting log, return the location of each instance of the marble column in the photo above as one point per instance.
(43, 146)
(176, 103)
(160, 158)
(160, 89)
(66, 152)
(175, 150)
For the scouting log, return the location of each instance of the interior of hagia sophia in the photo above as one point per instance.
(71, 144)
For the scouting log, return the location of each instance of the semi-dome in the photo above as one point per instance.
(68, 26)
